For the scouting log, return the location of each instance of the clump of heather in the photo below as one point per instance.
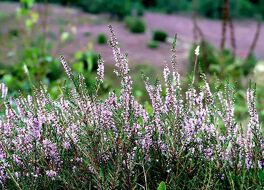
(190, 139)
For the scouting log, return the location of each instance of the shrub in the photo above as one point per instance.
(211, 9)
(172, 6)
(184, 140)
(135, 24)
(208, 57)
(159, 35)
(101, 38)
(42, 68)
(208, 8)
(245, 9)
(249, 64)
(238, 9)
(54, 70)
(138, 9)
(116, 8)
(152, 44)
(87, 59)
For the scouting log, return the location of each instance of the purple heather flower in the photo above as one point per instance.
(100, 70)
(51, 152)
(66, 67)
(51, 174)
(3, 91)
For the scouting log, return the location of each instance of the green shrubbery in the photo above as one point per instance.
(101, 38)
(32, 65)
(138, 9)
(223, 63)
(172, 6)
(208, 8)
(239, 9)
(159, 35)
(116, 8)
(152, 44)
(135, 24)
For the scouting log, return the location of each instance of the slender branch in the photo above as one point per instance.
(232, 30)
(224, 24)
(255, 39)
(197, 32)
(44, 26)
(195, 63)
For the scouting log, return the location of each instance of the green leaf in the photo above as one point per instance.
(78, 67)
(162, 186)
(65, 36)
(28, 3)
(78, 55)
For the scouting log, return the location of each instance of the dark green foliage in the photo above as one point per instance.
(211, 9)
(214, 62)
(159, 35)
(245, 9)
(14, 32)
(249, 64)
(222, 64)
(135, 24)
(207, 57)
(260, 8)
(32, 68)
(152, 44)
(88, 61)
(172, 6)
(101, 38)
(54, 69)
(207, 8)
(226, 67)
(86, 64)
(148, 3)
(116, 8)
(138, 8)
(239, 9)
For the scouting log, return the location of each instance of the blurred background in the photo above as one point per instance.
(33, 34)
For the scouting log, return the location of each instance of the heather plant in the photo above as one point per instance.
(224, 65)
(187, 140)
(101, 38)
(152, 44)
(135, 24)
(159, 35)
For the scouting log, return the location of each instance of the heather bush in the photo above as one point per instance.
(116, 8)
(184, 140)
(135, 24)
(171, 6)
(101, 38)
(224, 65)
(152, 44)
(159, 35)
